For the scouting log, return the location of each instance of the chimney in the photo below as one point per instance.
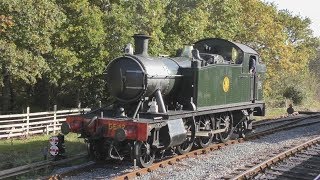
(141, 44)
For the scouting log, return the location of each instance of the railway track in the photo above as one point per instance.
(173, 160)
(282, 124)
(286, 124)
(295, 122)
(284, 121)
(72, 170)
(13, 172)
(299, 162)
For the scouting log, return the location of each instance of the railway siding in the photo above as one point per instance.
(301, 162)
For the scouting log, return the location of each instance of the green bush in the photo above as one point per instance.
(294, 94)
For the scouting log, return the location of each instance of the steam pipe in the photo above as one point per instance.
(160, 102)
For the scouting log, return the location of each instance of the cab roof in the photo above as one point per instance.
(219, 41)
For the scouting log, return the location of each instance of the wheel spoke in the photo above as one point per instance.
(206, 123)
(144, 156)
(225, 121)
(185, 145)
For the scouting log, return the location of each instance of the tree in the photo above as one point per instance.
(5, 23)
(127, 18)
(24, 42)
(283, 40)
(78, 57)
(56, 51)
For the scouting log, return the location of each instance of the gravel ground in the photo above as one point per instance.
(104, 172)
(216, 164)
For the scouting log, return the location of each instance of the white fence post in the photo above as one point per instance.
(79, 107)
(28, 119)
(54, 118)
(47, 129)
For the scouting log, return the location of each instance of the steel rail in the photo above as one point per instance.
(281, 128)
(279, 157)
(288, 119)
(71, 171)
(36, 166)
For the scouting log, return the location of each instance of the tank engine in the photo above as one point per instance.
(203, 95)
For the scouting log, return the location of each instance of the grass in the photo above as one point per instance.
(17, 152)
(275, 112)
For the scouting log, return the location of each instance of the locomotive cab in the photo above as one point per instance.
(229, 64)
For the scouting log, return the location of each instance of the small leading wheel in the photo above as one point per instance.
(225, 121)
(206, 124)
(144, 154)
(186, 146)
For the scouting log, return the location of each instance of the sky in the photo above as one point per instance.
(304, 8)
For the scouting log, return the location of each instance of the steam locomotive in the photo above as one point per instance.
(209, 91)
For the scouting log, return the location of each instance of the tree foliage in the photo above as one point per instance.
(55, 52)
(24, 43)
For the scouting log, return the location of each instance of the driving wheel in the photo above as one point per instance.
(206, 123)
(225, 121)
(186, 146)
(144, 154)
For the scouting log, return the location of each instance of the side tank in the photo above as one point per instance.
(131, 77)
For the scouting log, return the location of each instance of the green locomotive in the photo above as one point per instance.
(203, 95)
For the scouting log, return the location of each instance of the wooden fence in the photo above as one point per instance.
(17, 125)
